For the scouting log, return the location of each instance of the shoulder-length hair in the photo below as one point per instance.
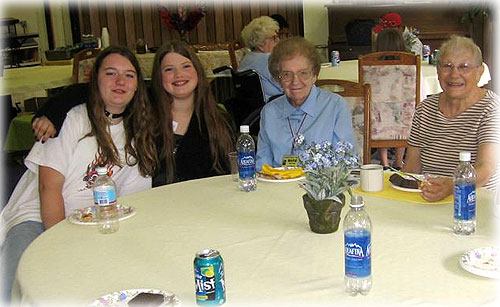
(140, 147)
(219, 129)
(390, 40)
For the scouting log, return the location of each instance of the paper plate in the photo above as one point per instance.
(483, 261)
(419, 176)
(404, 189)
(87, 216)
(121, 298)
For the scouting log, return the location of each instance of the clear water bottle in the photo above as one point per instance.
(464, 196)
(357, 248)
(105, 201)
(245, 146)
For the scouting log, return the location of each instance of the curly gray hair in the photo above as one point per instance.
(255, 33)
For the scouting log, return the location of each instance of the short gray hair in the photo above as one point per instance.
(255, 33)
(289, 48)
(460, 43)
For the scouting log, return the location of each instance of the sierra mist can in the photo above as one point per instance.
(209, 278)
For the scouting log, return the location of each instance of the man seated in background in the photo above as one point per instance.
(283, 32)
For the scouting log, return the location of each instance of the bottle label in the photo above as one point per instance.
(465, 201)
(104, 197)
(246, 165)
(357, 253)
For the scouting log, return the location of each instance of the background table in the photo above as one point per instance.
(209, 60)
(271, 257)
(34, 79)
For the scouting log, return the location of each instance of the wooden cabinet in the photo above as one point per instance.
(435, 23)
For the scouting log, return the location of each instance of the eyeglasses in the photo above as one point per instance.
(303, 75)
(275, 38)
(463, 68)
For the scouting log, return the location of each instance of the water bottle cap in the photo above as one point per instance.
(465, 156)
(357, 201)
(101, 170)
(244, 129)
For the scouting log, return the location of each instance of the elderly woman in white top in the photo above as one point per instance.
(464, 117)
(261, 35)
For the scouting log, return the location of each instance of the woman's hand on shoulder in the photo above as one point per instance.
(437, 188)
(43, 129)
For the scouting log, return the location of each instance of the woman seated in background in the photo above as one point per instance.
(393, 20)
(195, 134)
(113, 130)
(316, 114)
(261, 35)
(464, 117)
(389, 40)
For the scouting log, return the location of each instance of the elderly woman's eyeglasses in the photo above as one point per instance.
(275, 38)
(462, 68)
(303, 75)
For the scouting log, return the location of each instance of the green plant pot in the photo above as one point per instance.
(324, 215)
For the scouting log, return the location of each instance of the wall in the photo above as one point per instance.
(316, 21)
(32, 12)
(61, 23)
(222, 23)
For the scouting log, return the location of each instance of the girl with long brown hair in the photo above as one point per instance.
(197, 134)
(112, 130)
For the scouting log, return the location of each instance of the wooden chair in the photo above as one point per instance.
(395, 92)
(358, 96)
(210, 47)
(236, 51)
(83, 62)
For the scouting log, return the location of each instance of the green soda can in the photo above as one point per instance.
(209, 278)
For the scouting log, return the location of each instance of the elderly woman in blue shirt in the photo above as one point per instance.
(261, 35)
(316, 114)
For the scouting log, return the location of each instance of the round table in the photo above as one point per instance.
(271, 257)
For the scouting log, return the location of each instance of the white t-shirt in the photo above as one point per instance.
(75, 158)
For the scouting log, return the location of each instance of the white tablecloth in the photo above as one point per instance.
(271, 257)
(24, 83)
(348, 70)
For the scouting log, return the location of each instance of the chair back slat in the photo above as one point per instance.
(235, 53)
(83, 62)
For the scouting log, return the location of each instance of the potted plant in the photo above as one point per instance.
(327, 169)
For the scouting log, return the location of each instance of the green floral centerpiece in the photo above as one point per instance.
(327, 171)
